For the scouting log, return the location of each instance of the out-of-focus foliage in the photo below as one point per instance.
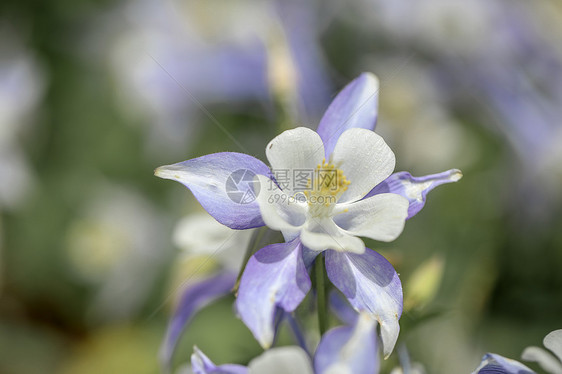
(95, 94)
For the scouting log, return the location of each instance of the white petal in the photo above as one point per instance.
(323, 234)
(200, 234)
(543, 358)
(553, 341)
(294, 150)
(283, 360)
(279, 210)
(338, 368)
(365, 159)
(380, 217)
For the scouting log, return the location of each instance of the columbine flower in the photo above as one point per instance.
(496, 364)
(362, 201)
(283, 360)
(351, 193)
(553, 341)
(116, 244)
(344, 349)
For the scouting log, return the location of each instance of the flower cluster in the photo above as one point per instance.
(494, 363)
(351, 192)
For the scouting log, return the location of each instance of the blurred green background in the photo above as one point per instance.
(96, 94)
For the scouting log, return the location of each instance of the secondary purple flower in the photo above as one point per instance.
(283, 360)
(201, 364)
(342, 350)
(496, 364)
(553, 341)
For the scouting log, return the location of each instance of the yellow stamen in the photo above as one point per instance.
(328, 185)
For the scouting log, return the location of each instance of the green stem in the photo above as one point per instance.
(322, 306)
(253, 246)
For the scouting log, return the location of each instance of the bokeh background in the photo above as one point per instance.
(95, 94)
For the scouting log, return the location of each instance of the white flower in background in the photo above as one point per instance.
(412, 105)
(415, 369)
(348, 349)
(282, 360)
(21, 87)
(200, 235)
(117, 243)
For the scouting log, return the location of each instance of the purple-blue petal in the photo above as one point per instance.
(496, 364)
(297, 330)
(275, 277)
(193, 299)
(224, 185)
(415, 189)
(356, 106)
(371, 285)
(352, 347)
(201, 364)
(341, 308)
(309, 256)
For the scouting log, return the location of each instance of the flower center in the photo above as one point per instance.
(324, 189)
